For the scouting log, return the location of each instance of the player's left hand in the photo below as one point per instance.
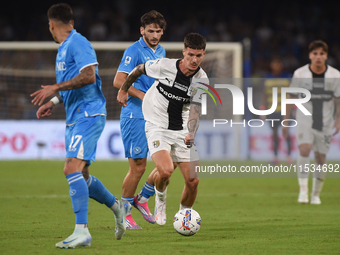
(122, 98)
(189, 139)
(41, 95)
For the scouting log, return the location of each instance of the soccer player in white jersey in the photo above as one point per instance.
(132, 123)
(172, 119)
(314, 132)
(79, 87)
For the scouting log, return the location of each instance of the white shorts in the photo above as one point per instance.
(171, 141)
(321, 140)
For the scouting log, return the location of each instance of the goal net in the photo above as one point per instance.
(24, 66)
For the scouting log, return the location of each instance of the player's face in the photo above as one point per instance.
(276, 66)
(152, 34)
(192, 58)
(318, 57)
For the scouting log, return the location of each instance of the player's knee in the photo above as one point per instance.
(164, 173)
(192, 183)
(305, 151)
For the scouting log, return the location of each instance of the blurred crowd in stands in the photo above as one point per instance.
(275, 28)
(282, 29)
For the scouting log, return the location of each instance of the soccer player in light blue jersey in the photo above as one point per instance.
(132, 121)
(79, 87)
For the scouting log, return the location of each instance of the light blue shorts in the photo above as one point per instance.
(134, 138)
(82, 137)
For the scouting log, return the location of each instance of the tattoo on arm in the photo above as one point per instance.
(193, 123)
(133, 76)
(60, 100)
(87, 76)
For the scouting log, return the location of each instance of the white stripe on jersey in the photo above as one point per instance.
(303, 78)
(166, 104)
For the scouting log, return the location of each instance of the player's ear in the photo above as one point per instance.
(142, 30)
(183, 52)
(72, 23)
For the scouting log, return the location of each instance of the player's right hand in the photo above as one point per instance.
(122, 98)
(45, 110)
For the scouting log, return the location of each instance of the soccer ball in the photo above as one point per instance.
(187, 222)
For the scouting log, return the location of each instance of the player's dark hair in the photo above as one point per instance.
(318, 44)
(61, 12)
(153, 17)
(195, 41)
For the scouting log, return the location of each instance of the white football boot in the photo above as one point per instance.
(80, 237)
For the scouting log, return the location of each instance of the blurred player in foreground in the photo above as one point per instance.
(314, 132)
(79, 86)
(172, 119)
(132, 121)
(277, 78)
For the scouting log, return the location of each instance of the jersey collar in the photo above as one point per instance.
(69, 36)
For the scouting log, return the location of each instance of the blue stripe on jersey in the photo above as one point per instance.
(136, 54)
(74, 54)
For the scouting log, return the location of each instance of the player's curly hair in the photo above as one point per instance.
(153, 17)
(61, 12)
(318, 44)
(195, 41)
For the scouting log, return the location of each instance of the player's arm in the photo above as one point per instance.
(85, 77)
(122, 96)
(46, 109)
(337, 120)
(120, 79)
(289, 109)
(193, 123)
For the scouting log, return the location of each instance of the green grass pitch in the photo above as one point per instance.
(239, 216)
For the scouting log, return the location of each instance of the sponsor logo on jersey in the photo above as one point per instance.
(172, 96)
(61, 66)
(318, 85)
(180, 86)
(155, 143)
(322, 96)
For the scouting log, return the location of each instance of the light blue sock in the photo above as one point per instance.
(148, 190)
(98, 192)
(79, 196)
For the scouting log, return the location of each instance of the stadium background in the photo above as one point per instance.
(274, 28)
(239, 215)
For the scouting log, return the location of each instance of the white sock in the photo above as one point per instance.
(302, 176)
(142, 199)
(115, 206)
(161, 194)
(181, 207)
(81, 226)
(318, 180)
